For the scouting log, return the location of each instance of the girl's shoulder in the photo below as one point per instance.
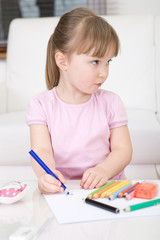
(106, 96)
(113, 108)
(110, 102)
(39, 108)
(44, 97)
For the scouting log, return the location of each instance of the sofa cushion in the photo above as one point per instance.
(157, 42)
(145, 135)
(27, 46)
(141, 172)
(14, 139)
(158, 116)
(3, 97)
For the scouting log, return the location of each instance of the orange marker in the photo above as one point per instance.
(118, 187)
(116, 183)
(90, 196)
(115, 188)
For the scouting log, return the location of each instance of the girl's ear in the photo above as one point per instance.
(61, 61)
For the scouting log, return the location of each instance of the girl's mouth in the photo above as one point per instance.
(98, 84)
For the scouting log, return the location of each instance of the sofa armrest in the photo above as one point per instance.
(158, 169)
(158, 117)
(3, 97)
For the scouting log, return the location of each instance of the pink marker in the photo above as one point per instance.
(130, 195)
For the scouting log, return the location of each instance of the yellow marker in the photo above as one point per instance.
(102, 195)
(114, 189)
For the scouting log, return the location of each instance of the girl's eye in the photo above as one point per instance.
(109, 61)
(95, 62)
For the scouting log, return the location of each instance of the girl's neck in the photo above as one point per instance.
(70, 95)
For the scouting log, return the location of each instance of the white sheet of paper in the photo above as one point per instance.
(72, 208)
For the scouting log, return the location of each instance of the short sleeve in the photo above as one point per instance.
(118, 115)
(35, 112)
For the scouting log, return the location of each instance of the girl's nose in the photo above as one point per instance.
(103, 72)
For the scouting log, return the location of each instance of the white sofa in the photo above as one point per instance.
(134, 75)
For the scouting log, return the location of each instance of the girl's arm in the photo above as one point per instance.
(116, 161)
(41, 144)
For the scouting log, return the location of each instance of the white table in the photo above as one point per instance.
(33, 211)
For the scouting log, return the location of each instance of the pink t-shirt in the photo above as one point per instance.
(79, 133)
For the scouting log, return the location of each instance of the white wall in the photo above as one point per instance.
(133, 7)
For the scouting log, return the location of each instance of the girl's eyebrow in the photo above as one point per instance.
(98, 58)
(95, 57)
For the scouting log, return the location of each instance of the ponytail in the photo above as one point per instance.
(52, 71)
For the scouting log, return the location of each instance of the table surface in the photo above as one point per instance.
(33, 212)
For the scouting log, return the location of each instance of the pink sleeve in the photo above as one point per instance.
(117, 116)
(35, 113)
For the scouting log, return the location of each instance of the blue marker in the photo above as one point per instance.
(44, 166)
(115, 195)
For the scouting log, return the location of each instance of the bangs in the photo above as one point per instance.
(95, 35)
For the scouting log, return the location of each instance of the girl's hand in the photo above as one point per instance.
(48, 184)
(94, 178)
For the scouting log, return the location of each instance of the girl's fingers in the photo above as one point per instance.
(102, 182)
(46, 187)
(60, 176)
(94, 182)
(50, 179)
(84, 178)
(48, 184)
(89, 182)
(93, 178)
(90, 179)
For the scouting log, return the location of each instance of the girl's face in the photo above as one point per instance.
(86, 73)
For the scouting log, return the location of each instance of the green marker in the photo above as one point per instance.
(142, 205)
(99, 189)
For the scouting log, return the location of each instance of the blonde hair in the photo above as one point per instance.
(78, 31)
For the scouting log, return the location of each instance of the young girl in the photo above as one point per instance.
(77, 129)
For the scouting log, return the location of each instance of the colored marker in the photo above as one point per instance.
(120, 195)
(118, 187)
(115, 195)
(44, 166)
(130, 195)
(142, 205)
(91, 195)
(98, 194)
(131, 188)
(102, 205)
(112, 187)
